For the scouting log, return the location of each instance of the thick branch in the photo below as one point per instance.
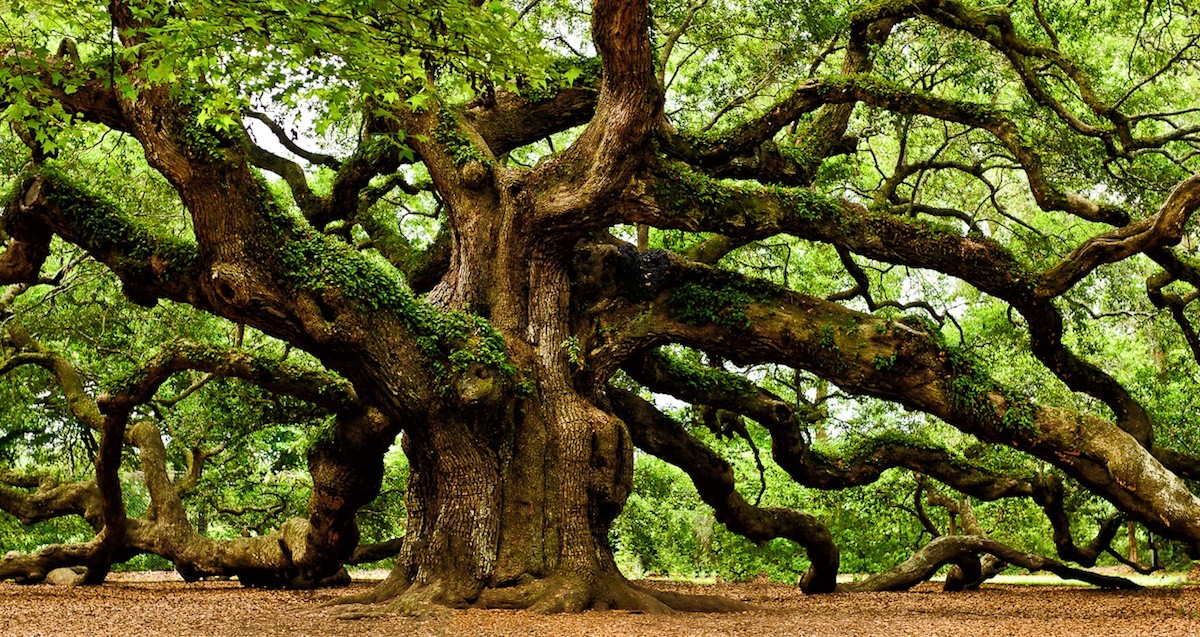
(1162, 230)
(713, 476)
(1049, 494)
(511, 121)
(678, 198)
(756, 322)
(149, 266)
(863, 464)
(599, 164)
(50, 500)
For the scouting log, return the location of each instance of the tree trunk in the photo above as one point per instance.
(508, 510)
(513, 514)
(512, 492)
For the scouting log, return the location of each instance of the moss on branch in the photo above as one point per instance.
(137, 253)
(453, 340)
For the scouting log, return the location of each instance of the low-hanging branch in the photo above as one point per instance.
(302, 553)
(951, 548)
(655, 433)
(1050, 495)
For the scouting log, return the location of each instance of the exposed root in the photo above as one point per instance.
(403, 606)
(420, 601)
(557, 594)
(574, 594)
(390, 588)
(697, 603)
(606, 592)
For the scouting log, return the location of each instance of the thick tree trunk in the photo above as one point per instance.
(513, 516)
(509, 510)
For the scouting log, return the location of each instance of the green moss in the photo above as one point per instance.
(460, 148)
(706, 380)
(724, 304)
(972, 390)
(680, 187)
(318, 262)
(861, 447)
(104, 229)
(801, 155)
(705, 141)
(452, 340)
(322, 437)
(878, 10)
(202, 140)
(806, 203)
(827, 339)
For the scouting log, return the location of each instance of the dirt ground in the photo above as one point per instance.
(220, 609)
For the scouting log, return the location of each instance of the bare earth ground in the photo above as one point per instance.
(220, 609)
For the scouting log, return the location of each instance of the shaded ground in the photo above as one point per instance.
(220, 609)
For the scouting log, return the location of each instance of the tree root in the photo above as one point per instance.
(555, 594)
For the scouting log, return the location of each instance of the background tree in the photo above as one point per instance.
(539, 216)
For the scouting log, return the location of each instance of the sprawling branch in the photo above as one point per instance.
(316, 387)
(747, 152)
(510, 121)
(657, 434)
(677, 198)
(285, 139)
(302, 553)
(792, 450)
(86, 94)
(51, 499)
(229, 276)
(313, 207)
(150, 266)
(1163, 229)
(1049, 495)
(749, 321)
(850, 89)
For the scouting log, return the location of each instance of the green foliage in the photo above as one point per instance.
(974, 391)
(724, 304)
(16, 537)
(563, 73)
